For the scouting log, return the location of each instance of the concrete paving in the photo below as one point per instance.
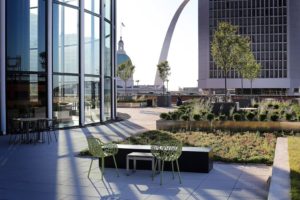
(54, 171)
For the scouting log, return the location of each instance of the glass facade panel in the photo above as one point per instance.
(92, 6)
(107, 98)
(107, 9)
(26, 64)
(107, 50)
(26, 48)
(65, 39)
(92, 44)
(70, 2)
(92, 99)
(26, 96)
(66, 100)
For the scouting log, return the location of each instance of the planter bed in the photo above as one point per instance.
(193, 159)
(173, 125)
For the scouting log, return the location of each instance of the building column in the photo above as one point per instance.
(81, 64)
(2, 69)
(102, 55)
(114, 59)
(49, 59)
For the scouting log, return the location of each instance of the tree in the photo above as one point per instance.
(252, 69)
(125, 71)
(227, 48)
(164, 72)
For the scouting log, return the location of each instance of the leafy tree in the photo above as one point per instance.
(164, 72)
(125, 71)
(227, 49)
(252, 69)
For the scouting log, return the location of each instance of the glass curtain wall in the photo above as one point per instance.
(66, 62)
(107, 60)
(92, 61)
(26, 63)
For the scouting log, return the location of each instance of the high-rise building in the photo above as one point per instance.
(57, 60)
(273, 27)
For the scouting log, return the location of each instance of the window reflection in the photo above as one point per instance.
(92, 100)
(26, 96)
(107, 98)
(107, 9)
(26, 35)
(70, 2)
(65, 39)
(107, 50)
(66, 100)
(92, 44)
(92, 5)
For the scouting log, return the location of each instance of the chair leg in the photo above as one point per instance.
(55, 135)
(90, 167)
(178, 171)
(154, 170)
(162, 170)
(116, 166)
(172, 169)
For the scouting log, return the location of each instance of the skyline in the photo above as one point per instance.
(143, 39)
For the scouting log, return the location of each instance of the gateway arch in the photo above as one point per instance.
(166, 45)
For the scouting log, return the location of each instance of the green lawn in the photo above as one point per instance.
(244, 147)
(294, 157)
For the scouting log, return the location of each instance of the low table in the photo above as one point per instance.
(139, 156)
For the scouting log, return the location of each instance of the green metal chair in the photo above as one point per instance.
(168, 152)
(98, 149)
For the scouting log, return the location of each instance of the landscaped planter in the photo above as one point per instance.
(172, 125)
(132, 104)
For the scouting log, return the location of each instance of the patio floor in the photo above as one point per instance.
(54, 171)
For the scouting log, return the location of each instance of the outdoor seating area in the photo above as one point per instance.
(32, 130)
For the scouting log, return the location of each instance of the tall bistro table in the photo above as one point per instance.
(31, 125)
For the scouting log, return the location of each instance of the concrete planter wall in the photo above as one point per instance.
(132, 105)
(172, 125)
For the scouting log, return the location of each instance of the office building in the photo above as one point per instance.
(273, 27)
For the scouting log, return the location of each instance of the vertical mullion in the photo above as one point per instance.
(2, 68)
(113, 66)
(49, 58)
(102, 43)
(81, 63)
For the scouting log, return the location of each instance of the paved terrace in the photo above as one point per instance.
(54, 171)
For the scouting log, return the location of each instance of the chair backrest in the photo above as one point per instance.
(95, 147)
(168, 151)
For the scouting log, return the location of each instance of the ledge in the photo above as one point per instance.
(280, 185)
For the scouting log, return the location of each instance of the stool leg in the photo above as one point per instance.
(116, 165)
(172, 169)
(154, 170)
(161, 172)
(127, 166)
(178, 171)
(134, 164)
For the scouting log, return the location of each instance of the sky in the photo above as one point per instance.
(146, 23)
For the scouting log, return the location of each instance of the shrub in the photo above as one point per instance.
(237, 117)
(250, 116)
(262, 117)
(164, 115)
(210, 116)
(276, 106)
(274, 117)
(256, 105)
(222, 117)
(185, 117)
(197, 117)
(288, 116)
(175, 115)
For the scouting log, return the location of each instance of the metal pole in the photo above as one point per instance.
(2, 68)
(49, 58)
